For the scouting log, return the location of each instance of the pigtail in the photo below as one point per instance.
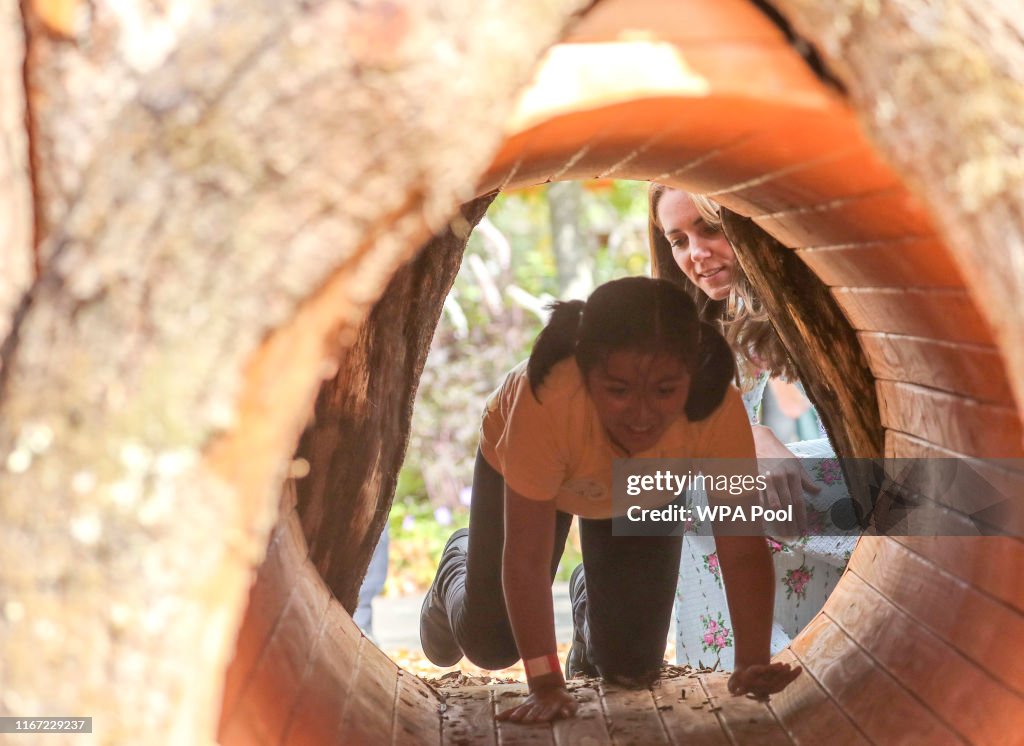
(555, 342)
(713, 371)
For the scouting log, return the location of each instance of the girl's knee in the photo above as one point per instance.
(630, 676)
(491, 658)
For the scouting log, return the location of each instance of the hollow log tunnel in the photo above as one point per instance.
(922, 640)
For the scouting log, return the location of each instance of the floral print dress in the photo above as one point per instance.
(807, 568)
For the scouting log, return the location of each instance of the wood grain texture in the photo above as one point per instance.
(911, 262)
(974, 371)
(284, 664)
(467, 717)
(284, 592)
(416, 713)
(979, 628)
(986, 490)
(934, 671)
(370, 707)
(270, 594)
(674, 138)
(886, 712)
(328, 685)
(589, 726)
(941, 313)
(991, 564)
(953, 422)
(807, 712)
(848, 169)
(1008, 471)
(810, 136)
(269, 237)
(746, 720)
(886, 215)
(239, 184)
(686, 713)
(632, 716)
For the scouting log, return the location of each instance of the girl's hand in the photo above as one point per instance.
(762, 680)
(549, 703)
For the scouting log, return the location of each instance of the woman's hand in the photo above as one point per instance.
(762, 680)
(544, 704)
(788, 479)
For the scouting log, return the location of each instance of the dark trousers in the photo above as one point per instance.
(622, 615)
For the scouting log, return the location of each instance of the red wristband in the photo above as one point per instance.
(542, 665)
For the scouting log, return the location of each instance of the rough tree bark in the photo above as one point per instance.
(940, 89)
(356, 444)
(222, 190)
(16, 212)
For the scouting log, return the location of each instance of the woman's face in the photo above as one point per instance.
(637, 396)
(701, 250)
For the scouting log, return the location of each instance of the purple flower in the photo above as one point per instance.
(408, 522)
(466, 496)
(443, 516)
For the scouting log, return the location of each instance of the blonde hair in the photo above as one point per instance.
(742, 317)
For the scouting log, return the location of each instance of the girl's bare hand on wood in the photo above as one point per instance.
(551, 703)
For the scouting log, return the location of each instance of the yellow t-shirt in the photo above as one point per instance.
(557, 449)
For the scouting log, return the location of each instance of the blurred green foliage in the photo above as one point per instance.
(490, 319)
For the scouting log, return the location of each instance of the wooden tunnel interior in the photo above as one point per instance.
(923, 640)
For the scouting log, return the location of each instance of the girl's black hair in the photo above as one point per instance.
(643, 314)
(556, 341)
(715, 368)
